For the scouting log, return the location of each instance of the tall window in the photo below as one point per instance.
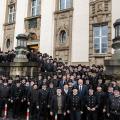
(63, 36)
(35, 7)
(11, 14)
(64, 4)
(100, 38)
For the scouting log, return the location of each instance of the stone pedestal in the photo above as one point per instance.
(113, 65)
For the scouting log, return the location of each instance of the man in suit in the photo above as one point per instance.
(58, 105)
(62, 82)
(82, 89)
(82, 92)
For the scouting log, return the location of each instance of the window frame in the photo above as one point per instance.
(65, 5)
(100, 37)
(11, 13)
(36, 7)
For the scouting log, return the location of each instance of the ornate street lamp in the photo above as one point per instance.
(21, 48)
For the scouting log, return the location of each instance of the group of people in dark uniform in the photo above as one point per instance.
(61, 92)
(6, 57)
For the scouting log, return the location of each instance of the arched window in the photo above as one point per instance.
(8, 43)
(63, 36)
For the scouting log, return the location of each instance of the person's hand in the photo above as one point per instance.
(51, 113)
(64, 113)
(37, 107)
(11, 101)
(108, 114)
(48, 106)
(104, 110)
(22, 100)
(81, 112)
(28, 103)
(68, 111)
(88, 108)
(93, 109)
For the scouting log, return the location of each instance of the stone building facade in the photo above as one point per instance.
(100, 22)
(78, 31)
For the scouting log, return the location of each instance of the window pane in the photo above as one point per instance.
(96, 31)
(33, 11)
(68, 3)
(62, 4)
(97, 45)
(104, 50)
(105, 39)
(34, 3)
(104, 30)
(97, 50)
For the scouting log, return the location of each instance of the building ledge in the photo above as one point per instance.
(101, 55)
(32, 42)
(7, 24)
(32, 17)
(64, 11)
(61, 48)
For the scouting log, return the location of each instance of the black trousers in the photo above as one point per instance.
(75, 115)
(91, 115)
(16, 108)
(34, 112)
(114, 117)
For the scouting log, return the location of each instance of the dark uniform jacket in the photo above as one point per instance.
(74, 103)
(114, 105)
(91, 101)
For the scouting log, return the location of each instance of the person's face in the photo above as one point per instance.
(116, 92)
(35, 87)
(90, 92)
(80, 82)
(100, 81)
(40, 77)
(70, 84)
(18, 84)
(66, 87)
(31, 83)
(59, 91)
(87, 82)
(72, 77)
(23, 81)
(27, 84)
(44, 87)
(99, 89)
(75, 91)
(64, 77)
(110, 89)
(10, 81)
(51, 85)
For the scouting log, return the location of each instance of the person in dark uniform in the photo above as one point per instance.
(58, 105)
(101, 103)
(74, 106)
(4, 96)
(51, 92)
(113, 107)
(91, 105)
(34, 103)
(16, 99)
(43, 102)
